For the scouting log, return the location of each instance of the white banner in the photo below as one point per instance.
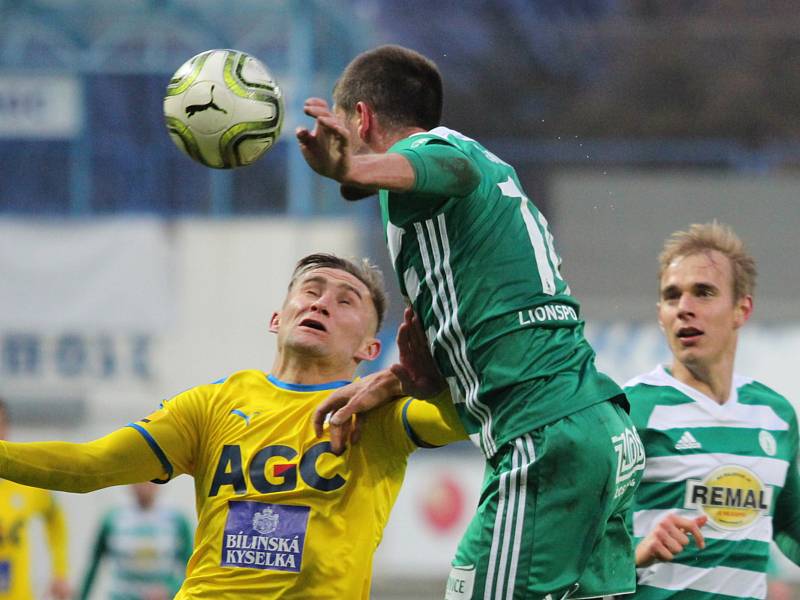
(93, 277)
(40, 106)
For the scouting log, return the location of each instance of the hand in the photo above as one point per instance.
(60, 589)
(669, 539)
(417, 372)
(327, 148)
(348, 402)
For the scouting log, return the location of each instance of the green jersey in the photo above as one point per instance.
(483, 276)
(149, 549)
(736, 463)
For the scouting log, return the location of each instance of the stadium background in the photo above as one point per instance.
(129, 273)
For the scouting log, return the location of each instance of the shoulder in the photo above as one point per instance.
(752, 392)
(649, 390)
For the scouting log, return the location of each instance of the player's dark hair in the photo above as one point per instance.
(402, 86)
(367, 273)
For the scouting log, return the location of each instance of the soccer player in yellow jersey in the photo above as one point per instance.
(279, 514)
(18, 505)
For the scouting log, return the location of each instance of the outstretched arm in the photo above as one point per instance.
(436, 169)
(119, 458)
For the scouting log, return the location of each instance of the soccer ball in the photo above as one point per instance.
(223, 108)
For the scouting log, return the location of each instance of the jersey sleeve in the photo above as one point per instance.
(173, 432)
(408, 423)
(441, 169)
(787, 510)
(119, 458)
(56, 531)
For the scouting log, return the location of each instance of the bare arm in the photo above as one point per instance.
(437, 169)
(119, 458)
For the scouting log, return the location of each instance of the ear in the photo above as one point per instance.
(274, 322)
(370, 350)
(365, 120)
(744, 308)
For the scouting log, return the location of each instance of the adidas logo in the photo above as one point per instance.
(687, 442)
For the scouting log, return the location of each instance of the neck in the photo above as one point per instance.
(307, 370)
(386, 139)
(714, 380)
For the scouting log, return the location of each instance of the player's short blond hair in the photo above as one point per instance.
(363, 270)
(707, 237)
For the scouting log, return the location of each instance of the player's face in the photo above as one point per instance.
(329, 314)
(351, 122)
(697, 310)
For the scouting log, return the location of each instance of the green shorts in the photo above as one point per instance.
(552, 513)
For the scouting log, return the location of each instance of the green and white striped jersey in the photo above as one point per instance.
(148, 548)
(734, 462)
(483, 276)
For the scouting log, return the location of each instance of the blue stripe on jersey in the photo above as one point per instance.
(157, 451)
(236, 411)
(303, 387)
(410, 431)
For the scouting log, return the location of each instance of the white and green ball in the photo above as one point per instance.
(223, 108)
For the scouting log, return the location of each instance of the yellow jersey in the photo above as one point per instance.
(18, 505)
(279, 515)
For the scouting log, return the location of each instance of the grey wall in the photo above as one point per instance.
(609, 228)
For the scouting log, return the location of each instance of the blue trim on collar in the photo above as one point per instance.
(303, 387)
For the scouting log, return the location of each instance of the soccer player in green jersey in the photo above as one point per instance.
(475, 258)
(721, 448)
(148, 546)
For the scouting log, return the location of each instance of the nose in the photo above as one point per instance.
(685, 305)
(321, 305)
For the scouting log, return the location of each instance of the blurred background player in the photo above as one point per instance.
(476, 259)
(280, 515)
(721, 448)
(18, 506)
(148, 545)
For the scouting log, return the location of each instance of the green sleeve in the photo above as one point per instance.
(786, 521)
(100, 548)
(442, 170)
(183, 552)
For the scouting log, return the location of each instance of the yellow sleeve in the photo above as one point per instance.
(174, 432)
(119, 458)
(433, 423)
(408, 423)
(56, 528)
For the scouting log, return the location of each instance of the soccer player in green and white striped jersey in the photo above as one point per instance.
(721, 448)
(476, 260)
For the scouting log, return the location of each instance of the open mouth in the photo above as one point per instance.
(688, 333)
(312, 324)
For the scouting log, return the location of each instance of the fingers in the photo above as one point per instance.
(340, 434)
(694, 529)
(331, 404)
(317, 103)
